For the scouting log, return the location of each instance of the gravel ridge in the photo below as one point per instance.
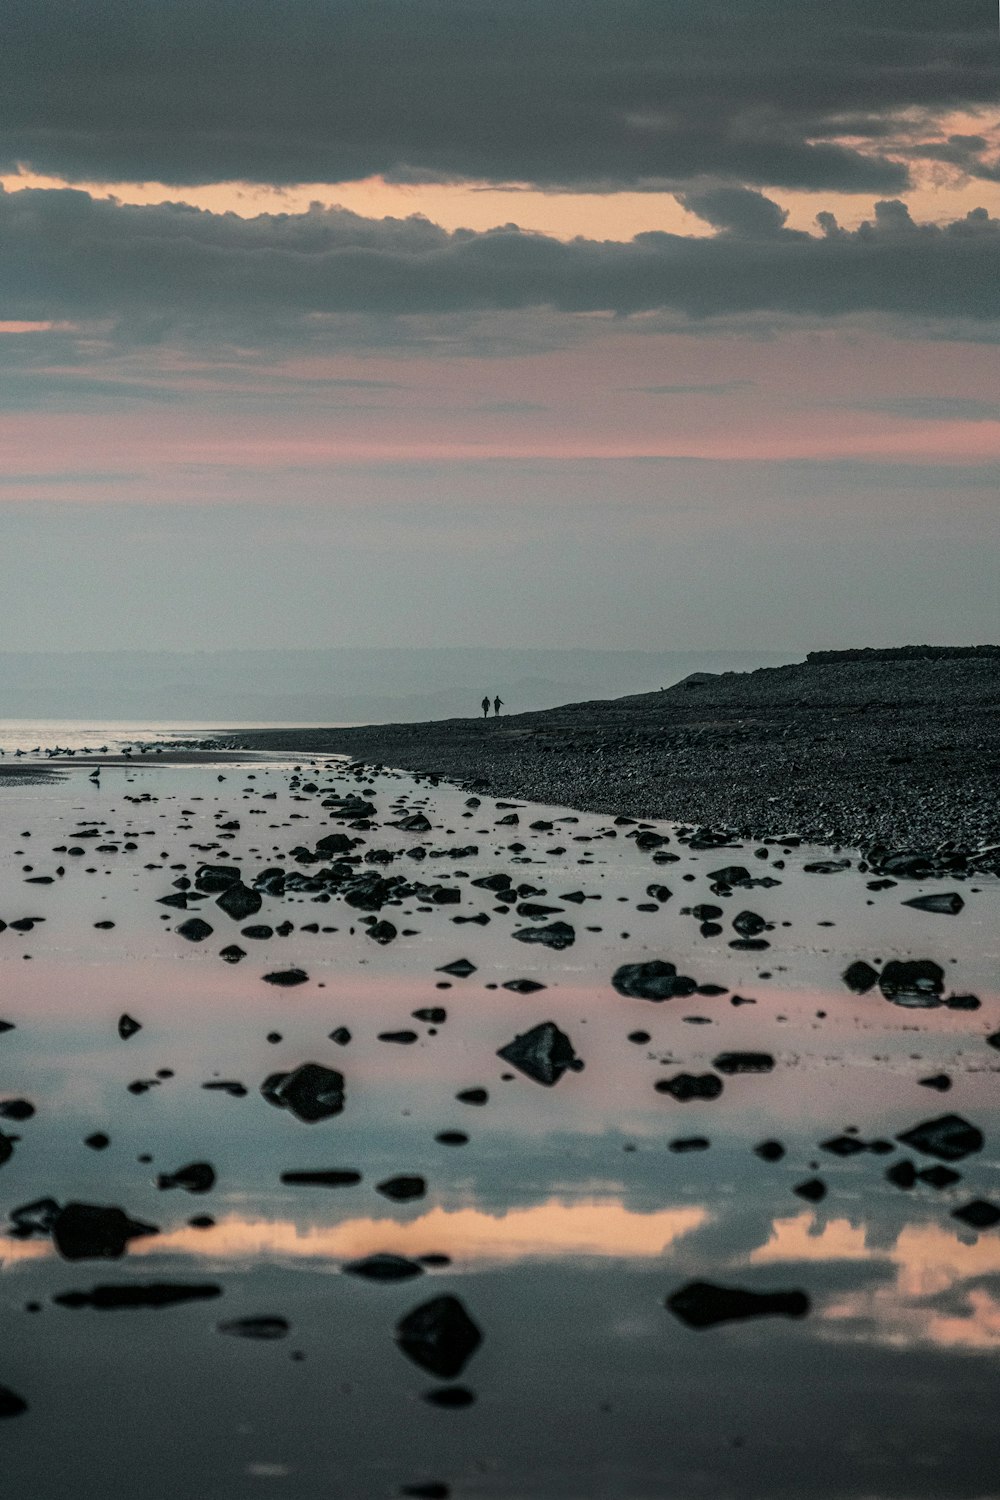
(898, 753)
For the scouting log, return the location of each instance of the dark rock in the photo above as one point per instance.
(98, 1141)
(531, 987)
(939, 1081)
(137, 1294)
(702, 1304)
(744, 1062)
(334, 843)
(473, 1096)
(439, 1336)
(459, 968)
(748, 924)
(404, 1038)
(16, 1109)
(978, 1214)
(88, 1231)
(687, 1086)
(813, 1190)
(287, 978)
(434, 1015)
(341, 1036)
(731, 875)
(915, 983)
(685, 1143)
(11, 1404)
(239, 901)
(127, 1027)
(860, 977)
(232, 953)
(384, 1268)
(452, 1138)
(195, 930)
(382, 932)
(310, 1093)
(230, 1086)
(196, 1177)
(950, 1138)
(769, 1150)
(902, 1174)
(257, 932)
(544, 1054)
(213, 878)
(402, 1189)
(557, 935)
(939, 1177)
(321, 1178)
(948, 903)
(655, 980)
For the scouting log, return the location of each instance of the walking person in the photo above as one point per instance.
(497, 705)
(486, 707)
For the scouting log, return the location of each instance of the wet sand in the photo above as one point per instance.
(321, 1199)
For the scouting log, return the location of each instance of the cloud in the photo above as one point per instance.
(716, 388)
(152, 271)
(568, 93)
(933, 408)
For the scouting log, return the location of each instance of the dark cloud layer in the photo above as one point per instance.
(68, 256)
(555, 92)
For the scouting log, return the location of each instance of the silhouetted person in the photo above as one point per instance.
(497, 705)
(486, 708)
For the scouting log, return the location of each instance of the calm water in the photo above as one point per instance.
(81, 736)
(568, 1216)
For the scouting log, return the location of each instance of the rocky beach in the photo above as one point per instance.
(894, 749)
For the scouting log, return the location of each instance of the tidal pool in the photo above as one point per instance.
(564, 1316)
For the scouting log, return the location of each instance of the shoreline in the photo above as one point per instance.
(901, 754)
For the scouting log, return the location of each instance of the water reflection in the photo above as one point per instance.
(566, 1219)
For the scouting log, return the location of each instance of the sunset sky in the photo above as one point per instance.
(650, 323)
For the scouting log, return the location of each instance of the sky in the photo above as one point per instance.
(660, 324)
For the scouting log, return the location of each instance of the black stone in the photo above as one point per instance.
(912, 982)
(384, 1268)
(544, 1053)
(311, 1093)
(239, 901)
(88, 1231)
(860, 977)
(402, 1189)
(687, 1086)
(136, 1294)
(948, 903)
(702, 1304)
(949, 1138)
(195, 930)
(744, 1062)
(439, 1336)
(196, 1177)
(557, 935)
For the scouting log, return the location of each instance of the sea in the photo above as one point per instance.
(112, 736)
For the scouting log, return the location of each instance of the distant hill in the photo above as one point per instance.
(334, 686)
